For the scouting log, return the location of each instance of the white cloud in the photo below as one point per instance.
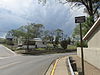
(14, 13)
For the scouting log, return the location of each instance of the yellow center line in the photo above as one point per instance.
(54, 67)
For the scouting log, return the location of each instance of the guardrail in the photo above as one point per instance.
(70, 67)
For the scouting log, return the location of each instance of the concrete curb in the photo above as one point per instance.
(46, 73)
(52, 67)
(70, 67)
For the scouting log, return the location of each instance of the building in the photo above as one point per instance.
(39, 43)
(9, 37)
(35, 43)
(22, 43)
(92, 53)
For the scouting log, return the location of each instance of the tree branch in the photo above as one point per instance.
(96, 9)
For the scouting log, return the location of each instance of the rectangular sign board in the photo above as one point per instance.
(80, 19)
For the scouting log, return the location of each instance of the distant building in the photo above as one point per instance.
(35, 43)
(9, 37)
(39, 42)
(92, 53)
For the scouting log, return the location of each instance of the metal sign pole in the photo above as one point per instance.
(82, 55)
(80, 20)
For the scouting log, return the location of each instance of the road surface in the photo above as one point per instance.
(27, 65)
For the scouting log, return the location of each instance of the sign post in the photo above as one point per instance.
(80, 20)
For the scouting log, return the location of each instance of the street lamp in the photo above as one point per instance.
(80, 20)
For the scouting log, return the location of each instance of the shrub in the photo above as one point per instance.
(8, 42)
(84, 44)
(64, 44)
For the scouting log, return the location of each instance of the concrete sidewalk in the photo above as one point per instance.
(88, 68)
(59, 67)
(5, 52)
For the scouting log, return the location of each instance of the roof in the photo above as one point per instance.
(37, 39)
(93, 28)
(9, 37)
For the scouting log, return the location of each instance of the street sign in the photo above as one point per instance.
(80, 19)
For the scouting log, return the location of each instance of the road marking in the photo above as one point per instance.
(5, 57)
(54, 67)
(8, 65)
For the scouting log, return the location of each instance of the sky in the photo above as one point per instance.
(53, 15)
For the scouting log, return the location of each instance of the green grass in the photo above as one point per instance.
(71, 47)
(40, 49)
(10, 47)
(49, 50)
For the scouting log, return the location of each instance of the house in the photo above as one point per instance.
(35, 43)
(39, 42)
(9, 37)
(13, 40)
(21, 42)
(92, 53)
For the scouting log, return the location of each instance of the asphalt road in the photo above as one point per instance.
(27, 65)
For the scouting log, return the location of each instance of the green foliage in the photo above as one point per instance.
(30, 42)
(64, 44)
(58, 32)
(40, 49)
(49, 36)
(79, 45)
(25, 34)
(32, 30)
(69, 40)
(8, 42)
(2, 40)
(38, 30)
(71, 47)
(56, 42)
(85, 27)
